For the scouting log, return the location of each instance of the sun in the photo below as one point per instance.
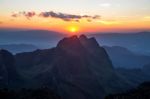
(73, 29)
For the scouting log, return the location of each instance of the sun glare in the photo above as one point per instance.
(73, 29)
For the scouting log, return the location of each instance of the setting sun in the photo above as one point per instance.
(73, 29)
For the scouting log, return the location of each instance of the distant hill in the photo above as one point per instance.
(122, 57)
(18, 48)
(136, 42)
(39, 38)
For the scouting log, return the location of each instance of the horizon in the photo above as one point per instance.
(84, 16)
(66, 33)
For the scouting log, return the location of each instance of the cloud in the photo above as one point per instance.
(1, 22)
(28, 15)
(67, 17)
(89, 20)
(15, 15)
(109, 22)
(57, 15)
(105, 4)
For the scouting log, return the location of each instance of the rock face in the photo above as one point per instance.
(77, 68)
(8, 73)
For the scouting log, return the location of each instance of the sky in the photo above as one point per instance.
(76, 15)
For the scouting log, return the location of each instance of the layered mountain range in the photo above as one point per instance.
(123, 57)
(77, 68)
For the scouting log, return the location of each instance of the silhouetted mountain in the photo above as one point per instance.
(39, 38)
(136, 42)
(18, 48)
(122, 57)
(8, 73)
(141, 92)
(77, 68)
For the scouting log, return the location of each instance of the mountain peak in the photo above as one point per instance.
(83, 37)
(70, 43)
(75, 42)
(68, 40)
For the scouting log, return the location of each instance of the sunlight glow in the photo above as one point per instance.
(73, 29)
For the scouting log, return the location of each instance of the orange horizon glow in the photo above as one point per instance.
(118, 25)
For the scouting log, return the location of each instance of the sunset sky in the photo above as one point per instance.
(76, 15)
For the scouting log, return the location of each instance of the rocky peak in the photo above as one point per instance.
(75, 40)
(71, 45)
(69, 42)
(83, 37)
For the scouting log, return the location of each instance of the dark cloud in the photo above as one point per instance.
(96, 17)
(66, 17)
(59, 15)
(15, 15)
(28, 15)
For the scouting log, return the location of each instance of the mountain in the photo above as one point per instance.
(141, 92)
(8, 73)
(39, 38)
(136, 42)
(77, 68)
(18, 48)
(122, 57)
